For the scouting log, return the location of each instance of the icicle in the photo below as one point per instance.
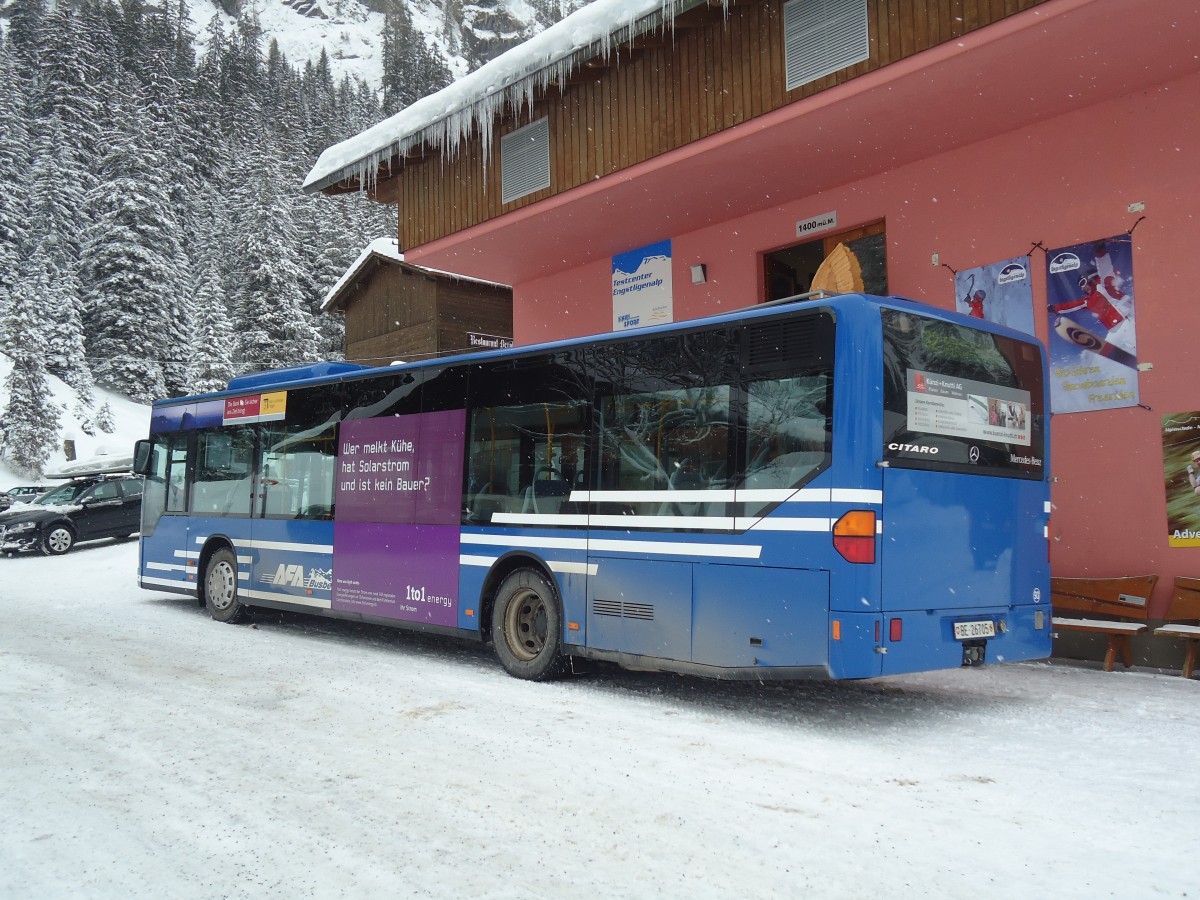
(534, 72)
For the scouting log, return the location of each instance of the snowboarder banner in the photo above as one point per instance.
(1181, 477)
(1000, 292)
(1093, 344)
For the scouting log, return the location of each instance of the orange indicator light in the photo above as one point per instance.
(837, 630)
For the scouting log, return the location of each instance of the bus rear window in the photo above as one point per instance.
(959, 399)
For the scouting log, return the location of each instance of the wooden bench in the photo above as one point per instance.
(1185, 606)
(1114, 607)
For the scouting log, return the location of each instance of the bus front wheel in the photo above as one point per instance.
(527, 627)
(220, 587)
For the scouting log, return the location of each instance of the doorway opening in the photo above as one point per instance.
(790, 270)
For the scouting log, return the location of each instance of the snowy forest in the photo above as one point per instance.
(154, 239)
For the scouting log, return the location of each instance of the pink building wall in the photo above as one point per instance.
(1058, 182)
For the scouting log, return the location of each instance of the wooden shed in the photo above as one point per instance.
(396, 310)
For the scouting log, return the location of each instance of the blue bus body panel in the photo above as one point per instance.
(957, 548)
(749, 617)
(279, 560)
(164, 560)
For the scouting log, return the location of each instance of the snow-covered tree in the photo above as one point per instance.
(411, 70)
(29, 421)
(273, 322)
(135, 270)
(15, 154)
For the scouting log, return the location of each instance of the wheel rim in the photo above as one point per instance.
(221, 585)
(525, 625)
(59, 540)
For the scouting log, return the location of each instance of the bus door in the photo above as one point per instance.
(963, 525)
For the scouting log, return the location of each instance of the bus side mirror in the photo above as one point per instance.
(143, 457)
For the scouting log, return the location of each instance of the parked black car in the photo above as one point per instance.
(83, 509)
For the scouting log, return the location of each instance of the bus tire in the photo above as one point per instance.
(527, 627)
(220, 588)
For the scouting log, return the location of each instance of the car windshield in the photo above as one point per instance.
(62, 495)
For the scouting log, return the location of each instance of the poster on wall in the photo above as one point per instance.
(641, 287)
(1000, 292)
(1181, 477)
(1093, 342)
(396, 536)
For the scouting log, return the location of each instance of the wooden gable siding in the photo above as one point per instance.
(393, 314)
(399, 313)
(465, 307)
(711, 73)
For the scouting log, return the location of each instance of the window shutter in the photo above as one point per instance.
(821, 37)
(525, 160)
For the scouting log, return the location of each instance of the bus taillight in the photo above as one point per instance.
(854, 536)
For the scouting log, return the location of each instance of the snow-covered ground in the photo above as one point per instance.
(151, 752)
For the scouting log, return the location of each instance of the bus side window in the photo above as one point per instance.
(527, 437)
(221, 484)
(176, 475)
(787, 431)
(161, 493)
(296, 472)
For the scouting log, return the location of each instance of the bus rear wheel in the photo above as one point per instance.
(527, 627)
(220, 587)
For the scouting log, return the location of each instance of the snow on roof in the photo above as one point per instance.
(389, 249)
(445, 118)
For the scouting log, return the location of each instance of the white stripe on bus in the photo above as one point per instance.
(620, 546)
(273, 545)
(167, 567)
(738, 495)
(320, 602)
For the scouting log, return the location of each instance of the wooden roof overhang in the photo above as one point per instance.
(1058, 58)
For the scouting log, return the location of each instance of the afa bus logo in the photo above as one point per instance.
(295, 576)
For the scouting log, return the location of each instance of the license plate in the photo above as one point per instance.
(966, 630)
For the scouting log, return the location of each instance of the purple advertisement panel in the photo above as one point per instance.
(394, 571)
(399, 499)
(402, 469)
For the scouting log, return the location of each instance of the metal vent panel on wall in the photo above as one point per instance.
(823, 36)
(525, 160)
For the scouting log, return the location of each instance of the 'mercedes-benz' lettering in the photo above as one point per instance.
(913, 448)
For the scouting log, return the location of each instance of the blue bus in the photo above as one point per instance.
(834, 487)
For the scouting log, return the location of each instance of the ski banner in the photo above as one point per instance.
(1000, 292)
(1181, 477)
(1092, 343)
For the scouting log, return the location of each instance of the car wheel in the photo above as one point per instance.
(58, 540)
(220, 588)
